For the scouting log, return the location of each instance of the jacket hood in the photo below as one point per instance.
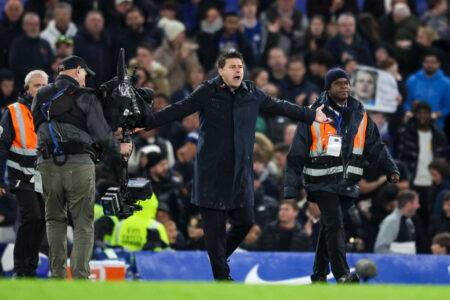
(149, 208)
(51, 29)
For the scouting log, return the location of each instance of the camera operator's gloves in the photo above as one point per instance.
(393, 177)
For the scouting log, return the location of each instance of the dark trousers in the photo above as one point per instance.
(425, 203)
(220, 244)
(331, 242)
(30, 233)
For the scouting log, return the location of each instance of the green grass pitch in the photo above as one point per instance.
(85, 290)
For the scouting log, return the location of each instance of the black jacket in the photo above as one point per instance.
(87, 111)
(273, 238)
(98, 54)
(28, 54)
(374, 152)
(359, 50)
(223, 170)
(408, 145)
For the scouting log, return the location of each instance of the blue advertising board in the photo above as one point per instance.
(289, 268)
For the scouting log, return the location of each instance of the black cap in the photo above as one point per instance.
(73, 62)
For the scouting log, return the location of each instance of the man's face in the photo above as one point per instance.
(347, 27)
(364, 85)
(13, 10)
(81, 76)
(231, 24)
(31, 26)
(94, 23)
(62, 17)
(212, 15)
(277, 60)
(430, 65)
(232, 72)
(160, 169)
(7, 87)
(437, 249)
(411, 207)
(423, 117)
(35, 84)
(296, 72)
(286, 213)
(317, 26)
(340, 89)
(144, 58)
(250, 10)
(135, 20)
(64, 50)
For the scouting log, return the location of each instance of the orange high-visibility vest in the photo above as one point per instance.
(23, 149)
(320, 134)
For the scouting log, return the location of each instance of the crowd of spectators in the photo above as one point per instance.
(288, 47)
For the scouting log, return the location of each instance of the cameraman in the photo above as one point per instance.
(71, 131)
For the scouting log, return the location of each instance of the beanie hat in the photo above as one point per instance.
(335, 74)
(154, 155)
(172, 28)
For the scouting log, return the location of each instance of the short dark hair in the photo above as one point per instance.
(443, 240)
(296, 58)
(404, 197)
(146, 46)
(434, 52)
(136, 9)
(230, 14)
(228, 55)
(440, 165)
(242, 3)
(291, 203)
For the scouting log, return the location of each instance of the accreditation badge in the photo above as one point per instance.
(334, 145)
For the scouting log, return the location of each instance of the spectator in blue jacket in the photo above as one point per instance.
(431, 86)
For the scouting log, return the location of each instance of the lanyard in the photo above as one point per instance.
(339, 121)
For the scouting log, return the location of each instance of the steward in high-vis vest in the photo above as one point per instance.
(141, 231)
(327, 160)
(18, 144)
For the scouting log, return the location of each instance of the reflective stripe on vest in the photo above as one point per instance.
(323, 172)
(360, 137)
(25, 139)
(26, 171)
